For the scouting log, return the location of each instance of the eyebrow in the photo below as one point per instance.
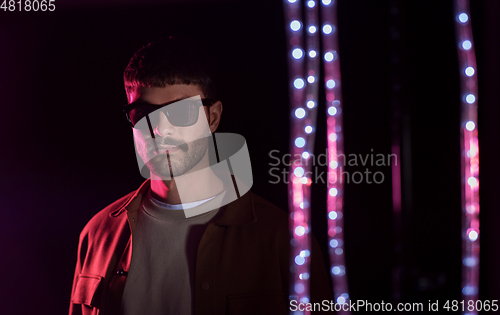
(180, 98)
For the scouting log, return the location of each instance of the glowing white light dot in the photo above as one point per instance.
(469, 290)
(473, 235)
(332, 215)
(332, 137)
(305, 155)
(327, 2)
(340, 300)
(300, 230)
(298, 83)
(469, 261)
(334, 164)
(472, 181)
(470, 98)
(311, 4)
(334, 243)
(332, 111)
(327, 29)
(304, 276)
(339, 251)
(303, 180)
(300, 142)
(297, 53)
(463, 17)
(470, 125)
(333, 192)
(338, 270)
(295, 25)
(466, 44)
(312, 29)
(312, 53)
(330, 84)
(300, 112)
(308, 129)
(310, 79)
(292, 1)
(299, 172)
(305, 253)
(299, 288)
(471, 209)
(328, 56)
(310, 104)
(299, 260)
(469, 71)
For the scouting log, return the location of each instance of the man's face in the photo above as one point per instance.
(186, 146)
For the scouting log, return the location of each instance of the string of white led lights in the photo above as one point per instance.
(303, 105)
(335, 196)
(303, 102)
(301, 144)
(470, 159)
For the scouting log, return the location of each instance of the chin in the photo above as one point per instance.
(162, 170)
(162, 173)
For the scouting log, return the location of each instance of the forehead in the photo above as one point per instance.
(162, 95)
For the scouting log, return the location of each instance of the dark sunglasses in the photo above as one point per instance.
(181, 113)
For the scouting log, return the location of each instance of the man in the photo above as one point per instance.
(192, 239)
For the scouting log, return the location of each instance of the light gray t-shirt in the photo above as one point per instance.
(164, 246)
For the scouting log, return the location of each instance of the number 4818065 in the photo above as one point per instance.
(29, 5)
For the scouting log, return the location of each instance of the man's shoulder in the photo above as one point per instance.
(104, 219)
(267, 212)
(264, 204)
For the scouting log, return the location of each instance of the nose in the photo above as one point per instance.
(164, 127)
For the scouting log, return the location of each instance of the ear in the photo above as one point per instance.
(214, 114)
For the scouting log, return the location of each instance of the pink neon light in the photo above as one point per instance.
(335, 146)
(470, 155)
(299, 186)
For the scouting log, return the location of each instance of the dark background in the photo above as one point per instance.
(67, 150)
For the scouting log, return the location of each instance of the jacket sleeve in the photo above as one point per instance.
(76, 309)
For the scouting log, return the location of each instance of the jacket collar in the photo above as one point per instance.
(133, 203)
(239, 212)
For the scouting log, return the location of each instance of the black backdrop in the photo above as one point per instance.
(67, 151)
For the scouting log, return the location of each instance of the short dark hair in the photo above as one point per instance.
(169, 61)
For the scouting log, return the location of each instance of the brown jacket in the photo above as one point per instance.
(242, 263)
